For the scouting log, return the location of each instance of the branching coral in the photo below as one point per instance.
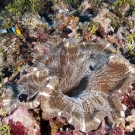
(83, 84)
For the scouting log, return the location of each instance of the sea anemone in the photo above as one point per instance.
(84, 83)
(81, 81)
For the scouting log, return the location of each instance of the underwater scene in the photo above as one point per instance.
(67, 67)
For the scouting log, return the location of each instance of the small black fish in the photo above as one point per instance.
(30, 63)
(23, 97)
(83, 19)
(25, 57)
(24, 45)
(132, 60)
(24, 72)
(48, 7)
(91, 68)
(47, 18)
(49, 4)
(6, 72)
(31, 39)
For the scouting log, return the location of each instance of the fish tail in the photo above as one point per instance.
(3, 31)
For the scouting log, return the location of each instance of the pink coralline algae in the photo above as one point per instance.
(17, 128)
(82, 82)
(21, 122)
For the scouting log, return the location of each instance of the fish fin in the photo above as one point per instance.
(14, 31)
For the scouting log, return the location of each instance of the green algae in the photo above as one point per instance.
(20, 6)
(130, 39)
(4, 129)
(93, 27)
(121, 4)
(14, 10)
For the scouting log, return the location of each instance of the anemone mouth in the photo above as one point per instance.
(78, 88)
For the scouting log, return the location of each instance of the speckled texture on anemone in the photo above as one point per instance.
(25, 92)
(84, 82)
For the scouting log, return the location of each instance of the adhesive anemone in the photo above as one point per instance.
(25, 92)
(80, 81)
(84, 82)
